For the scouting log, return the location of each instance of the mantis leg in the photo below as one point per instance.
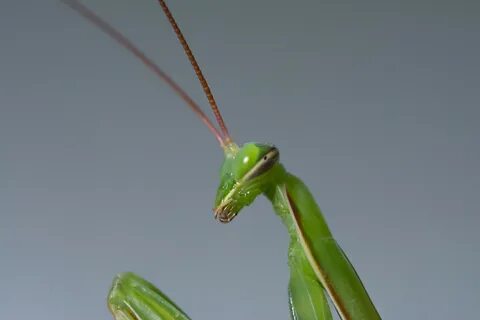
(133, 298)
(306, 295)
(328, 261)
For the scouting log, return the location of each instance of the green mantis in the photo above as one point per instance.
(318, 266)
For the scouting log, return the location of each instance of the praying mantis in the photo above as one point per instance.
(318, 266)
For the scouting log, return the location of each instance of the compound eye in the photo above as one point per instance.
(265, 164)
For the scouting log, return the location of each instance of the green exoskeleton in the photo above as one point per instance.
(318, 266)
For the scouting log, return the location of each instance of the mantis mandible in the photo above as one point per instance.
(318, 266)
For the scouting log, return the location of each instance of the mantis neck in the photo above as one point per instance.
(284, 180)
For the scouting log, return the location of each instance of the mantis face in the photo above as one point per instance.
(246, 172)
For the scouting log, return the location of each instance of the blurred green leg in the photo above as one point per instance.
(306, 295)
(133, 298)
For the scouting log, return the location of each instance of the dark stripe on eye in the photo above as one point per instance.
(266, 163)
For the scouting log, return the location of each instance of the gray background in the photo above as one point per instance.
(375, 104)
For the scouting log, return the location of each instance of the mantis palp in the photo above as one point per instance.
(318, 266)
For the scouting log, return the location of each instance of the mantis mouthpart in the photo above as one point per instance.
(318, 266)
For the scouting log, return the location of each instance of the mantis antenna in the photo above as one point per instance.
(198, 72)
(104, 26)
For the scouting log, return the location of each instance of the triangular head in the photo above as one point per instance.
(246, 172)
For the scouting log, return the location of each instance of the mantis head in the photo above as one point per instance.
(246, 172)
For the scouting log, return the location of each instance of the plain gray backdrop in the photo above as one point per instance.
(374, 104)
